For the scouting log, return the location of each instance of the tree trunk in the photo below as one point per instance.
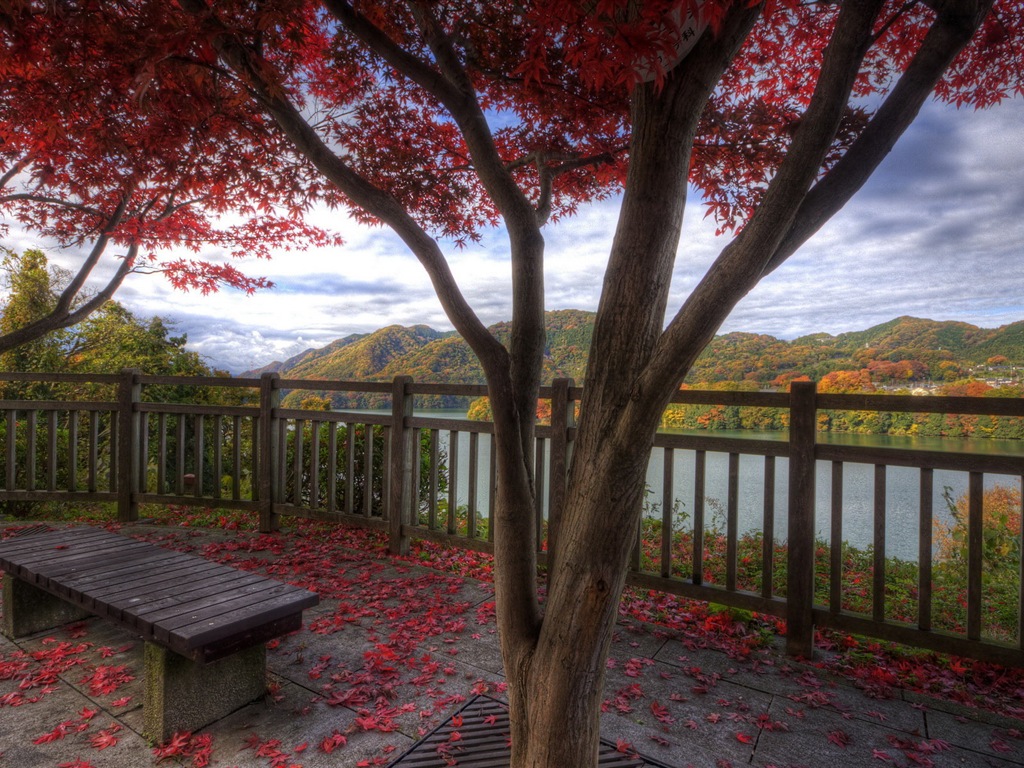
(564, 679)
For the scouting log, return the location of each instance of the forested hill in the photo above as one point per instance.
(907, 351)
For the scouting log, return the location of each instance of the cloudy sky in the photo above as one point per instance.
(937, 233)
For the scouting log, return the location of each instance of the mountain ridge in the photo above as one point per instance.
(934, 350)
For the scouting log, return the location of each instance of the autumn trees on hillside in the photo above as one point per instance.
(440, 118)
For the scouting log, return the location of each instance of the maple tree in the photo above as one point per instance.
(90, 163)
(440, 118)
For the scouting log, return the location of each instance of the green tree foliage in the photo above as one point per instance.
(30, 286)
(109, 340)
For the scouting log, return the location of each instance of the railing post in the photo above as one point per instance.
(563, 418)
(402, 458)
(129, 392)
(269, 460)
(800, 567)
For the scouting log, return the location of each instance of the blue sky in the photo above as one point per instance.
(938, 233)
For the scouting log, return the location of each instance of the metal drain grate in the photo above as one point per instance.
(482, 742)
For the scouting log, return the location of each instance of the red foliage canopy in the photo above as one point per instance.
(91, 149)
(108, 102)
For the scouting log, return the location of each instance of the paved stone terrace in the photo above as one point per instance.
(394, 649)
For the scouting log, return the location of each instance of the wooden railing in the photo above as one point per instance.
(421, 476)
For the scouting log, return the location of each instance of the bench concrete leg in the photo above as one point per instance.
(184, 695)
(28, 609)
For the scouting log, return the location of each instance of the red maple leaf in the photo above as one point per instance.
(105, 738)
(839, 738)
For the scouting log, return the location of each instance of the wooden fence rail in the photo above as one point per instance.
(417, 475)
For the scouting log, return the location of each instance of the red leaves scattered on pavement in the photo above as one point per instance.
(412, 617)
(182, 744)
(332, 742)
(106, 680)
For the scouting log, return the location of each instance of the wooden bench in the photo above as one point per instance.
(204, 624)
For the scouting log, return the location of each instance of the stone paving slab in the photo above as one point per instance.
(337, 689)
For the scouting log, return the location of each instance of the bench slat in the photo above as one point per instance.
(49, 540)
(55, 562)
(225, 625)
(69, 569)
(139, 610)
(19, 551)
(187, 612)
(175, 577)
(125, 570)
(211, 608)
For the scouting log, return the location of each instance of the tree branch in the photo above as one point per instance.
(70, 293)
(738, 268)
(375, 201)
(56, 320)
(15, 169)
(56, 201)
(949, 33)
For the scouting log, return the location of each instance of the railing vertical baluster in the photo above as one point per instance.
(474, 460)
(562, 420)
(699, 473)
(199, 450)
(835, 593)
(112, 448)
(1020, 582)
(94, 451)
(281, 490)
(51, 448)
(800, 566)
(255, 457)
(161, 448)
(236, 458)
(298, 450)
(413, 511)
(332, 468)
(12, 450)
(350, 468)
(453, 478)
(30, 449)
(368, 465)
(179, 453)
(314, 463)
(732, 522)
(218, 454)
(878, 580)
(768, 536)
(492, 490)
(975, 552)
(385, 483)
(667, 492)
(269, 455)
(924, 550)
(128, 423)
(432, 497)
(539, 460)
(142, 454)
(72, 450)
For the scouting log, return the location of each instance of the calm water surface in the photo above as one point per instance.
(902, 484)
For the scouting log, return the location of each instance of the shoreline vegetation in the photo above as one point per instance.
(757, 419)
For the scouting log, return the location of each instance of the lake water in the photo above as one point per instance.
(902, 485)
